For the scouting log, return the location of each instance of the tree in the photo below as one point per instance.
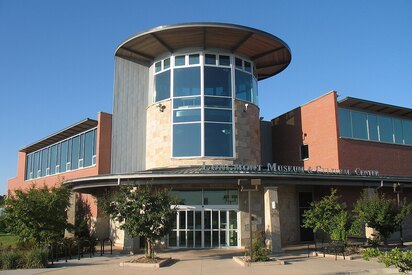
(328, 215)
(38, 214)
(142, 212)
(380, 213)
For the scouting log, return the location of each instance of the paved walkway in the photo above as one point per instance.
(212, 262)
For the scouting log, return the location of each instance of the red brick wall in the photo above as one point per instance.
(103, 149)
(315, 124)
(388, 159)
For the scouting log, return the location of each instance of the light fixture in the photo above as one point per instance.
(246, 105)
(161, 107)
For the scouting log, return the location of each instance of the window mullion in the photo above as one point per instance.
(202, 105)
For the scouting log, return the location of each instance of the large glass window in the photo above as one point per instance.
(186, 140)
(217, 81)
(375, 127)
(218, 140)
(244, 86)
(88, 148)
(162, 85)
(186, 81)
(345, 127)
(359, 126)
(407, 131)
(385, 129)
(202, 95)
(397, 130)
(56, 158)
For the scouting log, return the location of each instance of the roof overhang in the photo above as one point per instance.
(351, 102)
(270, 54)
(194, 175)
(72, 130)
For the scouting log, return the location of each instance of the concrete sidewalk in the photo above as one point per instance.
(213, 262)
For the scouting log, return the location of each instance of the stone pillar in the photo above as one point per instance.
(272, 221)
(71, 214)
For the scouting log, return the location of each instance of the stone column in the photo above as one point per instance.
(272, 222)
(71, 214)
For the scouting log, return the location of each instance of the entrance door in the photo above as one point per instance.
(305, 199)
(204, 228)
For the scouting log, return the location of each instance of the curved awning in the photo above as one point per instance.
(270, 54)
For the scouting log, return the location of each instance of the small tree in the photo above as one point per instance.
(380, 213)
(142, 212)
(328, 215)
(38, 214)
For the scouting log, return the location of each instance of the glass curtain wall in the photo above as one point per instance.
(374, 127)
(76, 152)
(202, 87)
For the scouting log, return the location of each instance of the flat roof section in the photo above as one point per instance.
(72, 130)
(270, 54)
(352, 102)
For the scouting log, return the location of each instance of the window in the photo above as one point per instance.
(186, 140)
(218, 140)
(244, 86)
(345, 128)
(217, 81)
(407, 131)
(359, 126)
(186, 81)
(304, 152)
(56, 158)
(162, 85)
(374, 127)
(385, 129)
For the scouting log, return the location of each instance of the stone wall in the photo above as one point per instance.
(288, 214)
(158, 142)
(258, 219)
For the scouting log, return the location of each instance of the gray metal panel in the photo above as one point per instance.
(266, 142)
(129, 116)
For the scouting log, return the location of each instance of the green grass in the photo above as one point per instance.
(7, 240)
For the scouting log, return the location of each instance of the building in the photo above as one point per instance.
(186, 117)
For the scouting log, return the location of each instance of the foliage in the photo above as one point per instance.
(328, 215)
(11, 260)
(38, 214)
(259, 252)
(369, 253)
(36, 258)
(142, 212)
(380, 213)
(397, 258)
(83, 218)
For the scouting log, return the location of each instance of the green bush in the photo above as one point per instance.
(11, 260)
(370, 253)
(36, 258)
(397, 258)
(259, 252)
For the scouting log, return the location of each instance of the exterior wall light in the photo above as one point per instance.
(246, 105)
(161, 107)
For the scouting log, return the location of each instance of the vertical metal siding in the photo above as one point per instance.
(266, 142)
(131, 85)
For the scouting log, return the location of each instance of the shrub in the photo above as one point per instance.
(370, 253)
(397, 258)
(36, 258)
(259, 252)
(11, 260)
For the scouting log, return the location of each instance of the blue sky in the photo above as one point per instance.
(56, 57)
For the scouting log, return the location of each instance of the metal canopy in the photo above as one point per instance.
(72, 130)
(270, 54)
(377, 107)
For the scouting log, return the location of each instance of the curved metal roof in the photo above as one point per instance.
(270, 54)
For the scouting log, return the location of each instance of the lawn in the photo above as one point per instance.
(7, 240)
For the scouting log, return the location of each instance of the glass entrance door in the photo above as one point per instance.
(204, 228)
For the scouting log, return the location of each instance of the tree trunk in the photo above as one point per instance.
(148, 249)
